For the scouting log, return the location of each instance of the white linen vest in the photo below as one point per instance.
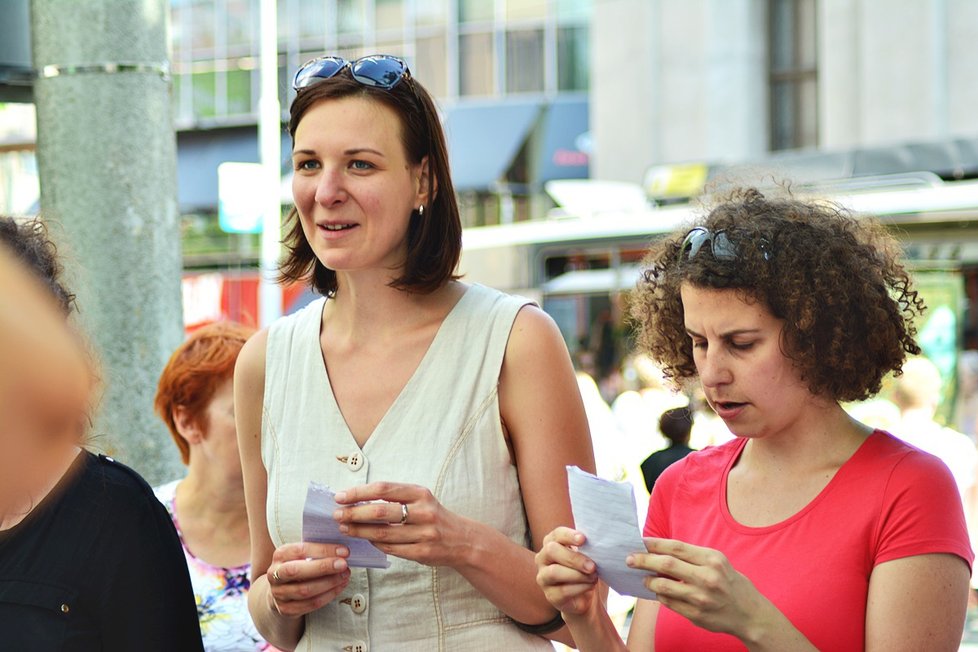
(442, 432)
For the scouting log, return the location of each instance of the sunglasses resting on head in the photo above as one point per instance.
(377, 71)
(720, 245)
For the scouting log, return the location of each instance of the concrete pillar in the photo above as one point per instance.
(107, 164)
(624, 105)
(736, 80)
(839, 74)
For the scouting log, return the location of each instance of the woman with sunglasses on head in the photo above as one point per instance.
(441, 413)
(809, 530)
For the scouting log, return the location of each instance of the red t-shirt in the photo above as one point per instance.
(888, 501)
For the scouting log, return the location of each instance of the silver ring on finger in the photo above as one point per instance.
(275, 575)
(404, 513)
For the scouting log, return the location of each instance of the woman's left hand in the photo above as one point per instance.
(405, 520)
(700, 584)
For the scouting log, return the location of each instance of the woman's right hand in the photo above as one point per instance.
(303, 577)
(568, 578)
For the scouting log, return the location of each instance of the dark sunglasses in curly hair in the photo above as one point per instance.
(377, 71)
(720, 244)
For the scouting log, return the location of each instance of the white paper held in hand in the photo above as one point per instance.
(319, 526)
(604, 511)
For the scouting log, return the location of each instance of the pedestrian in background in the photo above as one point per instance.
(809, 531)
(917, 393)
(453, 408)
(195, 399)
(675, 424)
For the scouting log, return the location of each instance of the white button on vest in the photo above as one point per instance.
(358, 603)
(359, 646)
(355, 461)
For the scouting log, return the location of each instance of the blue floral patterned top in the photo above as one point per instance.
(221, 594)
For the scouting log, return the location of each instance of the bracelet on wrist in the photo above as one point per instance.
(548, 627)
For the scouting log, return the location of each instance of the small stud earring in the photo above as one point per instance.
(421, 210)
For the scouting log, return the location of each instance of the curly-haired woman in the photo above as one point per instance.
(809, 530)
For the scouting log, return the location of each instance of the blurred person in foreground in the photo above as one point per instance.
(89, 560)
(675, 424)
(449, 409)
(809, 531)
(46, 380)
(195, 399)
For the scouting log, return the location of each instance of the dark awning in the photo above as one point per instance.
(948, 159)
(200, 152)
(483, 139)
(564, 141)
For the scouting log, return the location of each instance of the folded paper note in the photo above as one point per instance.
(319, 526)
(604, 511)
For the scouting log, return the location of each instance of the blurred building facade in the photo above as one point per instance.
(736, 80)
(511, 77)
(536, 90)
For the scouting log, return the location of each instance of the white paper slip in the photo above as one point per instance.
(319, 526)
(604, 511)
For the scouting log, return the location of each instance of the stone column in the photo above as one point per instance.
(107, 164)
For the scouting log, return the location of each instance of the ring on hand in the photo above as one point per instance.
(404, 513)
(275, 575)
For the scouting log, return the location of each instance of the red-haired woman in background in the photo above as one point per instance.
(195, 399)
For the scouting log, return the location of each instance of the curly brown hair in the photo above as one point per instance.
(30, 241)
(836, 280)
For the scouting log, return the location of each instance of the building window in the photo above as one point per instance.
(475, 53)
(389, 15)
(478, 208)
(526, 9)
(475, 11)
(202, 27)
(431, 12)
(242, 24)
(430, 64)
(239, 92)
(793, 73)
(285, 92)
(574, 10)
(572, 58)
(205, 94)
(350, 16)
(312, 20)
(524, 61)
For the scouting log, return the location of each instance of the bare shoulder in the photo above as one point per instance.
(250, 366)
(532, 329)
(932, 618)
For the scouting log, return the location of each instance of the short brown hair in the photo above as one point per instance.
(835, 279)
(201, 363)
(434, 239)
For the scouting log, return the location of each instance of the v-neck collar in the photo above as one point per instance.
(429, 355)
